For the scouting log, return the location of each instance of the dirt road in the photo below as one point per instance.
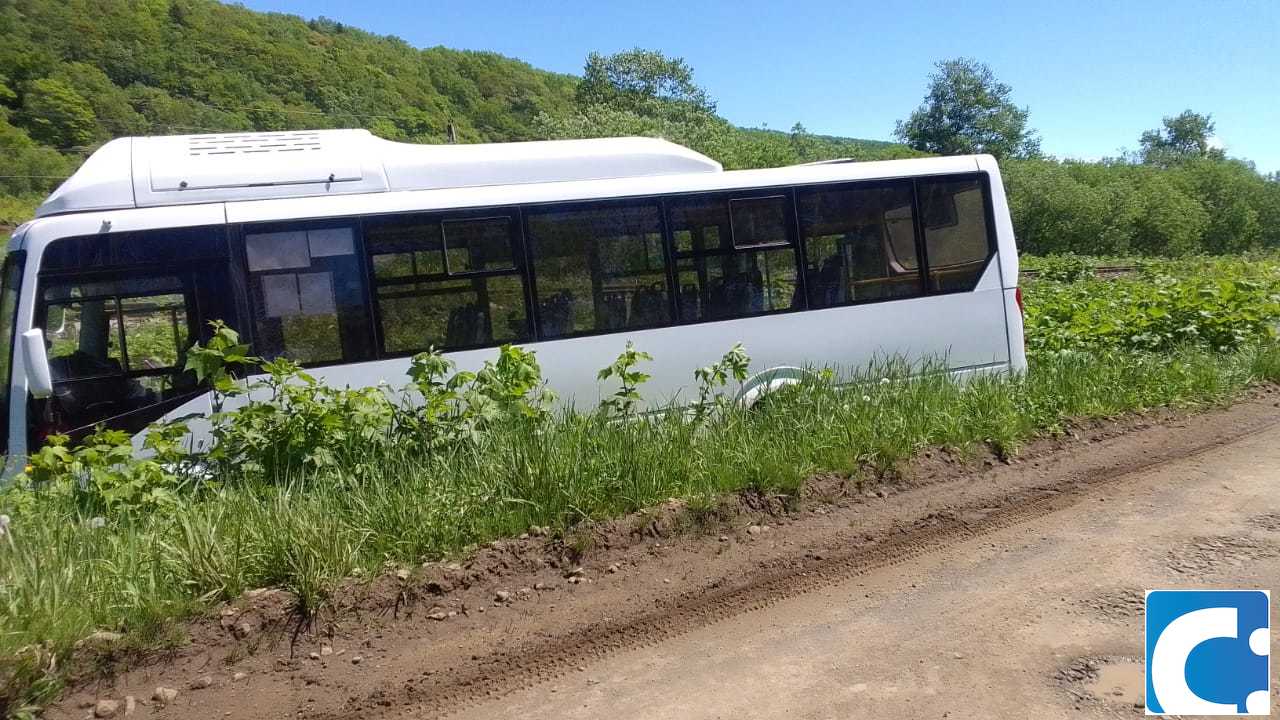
(967, 588)
(1038, 620)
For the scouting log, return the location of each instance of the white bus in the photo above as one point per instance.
(349, 254)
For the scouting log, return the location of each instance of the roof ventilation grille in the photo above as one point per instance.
(247, 143)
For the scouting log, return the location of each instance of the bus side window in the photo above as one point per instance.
(733, 258)
(956, 240)
(308, 294)
(449, 284)
(119, 313)
(599, 268)
(859, 243)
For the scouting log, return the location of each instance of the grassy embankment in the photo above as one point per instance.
(148, 564)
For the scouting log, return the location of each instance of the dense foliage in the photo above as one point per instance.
(1200, 205)
(1218, 303)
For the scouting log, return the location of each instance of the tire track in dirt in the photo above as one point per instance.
(490, 677)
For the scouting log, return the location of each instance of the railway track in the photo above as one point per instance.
(1102, 271)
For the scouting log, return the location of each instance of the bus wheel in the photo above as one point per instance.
(759, 387)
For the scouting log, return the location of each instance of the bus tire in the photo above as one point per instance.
(756, 387)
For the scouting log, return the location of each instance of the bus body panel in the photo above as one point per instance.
(1006, 248)
(965, 330)
(1007, 254)
(1013, 315)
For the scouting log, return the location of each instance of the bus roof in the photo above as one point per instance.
(140, 172)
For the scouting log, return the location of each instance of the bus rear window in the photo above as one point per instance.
(956, 238)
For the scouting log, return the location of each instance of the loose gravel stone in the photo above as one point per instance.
(202, 682)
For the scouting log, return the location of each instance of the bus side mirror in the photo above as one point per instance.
(36, 359)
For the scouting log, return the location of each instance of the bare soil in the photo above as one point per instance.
(532, 619)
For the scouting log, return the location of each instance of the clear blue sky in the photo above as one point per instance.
(1095, 73)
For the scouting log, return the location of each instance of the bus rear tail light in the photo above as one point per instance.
(1017, 297)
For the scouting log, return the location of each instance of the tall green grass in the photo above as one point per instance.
(61, 579)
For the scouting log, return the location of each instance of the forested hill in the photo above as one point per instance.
(75, 73)
(132, 66)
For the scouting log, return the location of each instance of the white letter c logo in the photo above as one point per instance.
(1169, 660)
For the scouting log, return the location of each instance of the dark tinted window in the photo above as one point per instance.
(135, 249)
(598, 269)
(734, 258)
(308, 293)
(955, 232)
(759, 221)
(700, 224)
(446, 284)
(473, 245)
(118, 334)
(859, 243)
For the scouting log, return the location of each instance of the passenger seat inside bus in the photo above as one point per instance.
(466, 327)
(557, 314)
(648, 306)
(102, 392)
(690, 303)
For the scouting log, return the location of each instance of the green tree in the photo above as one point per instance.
(113, 114)
(28, 168)
(968, 111)
(1235, 199)
(1054, 212)
(57, 115)
(645, 82)
(7, 95)
(1169, 219)
(805, 146)
(1182, 137)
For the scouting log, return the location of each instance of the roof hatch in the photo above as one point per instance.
(199, 162)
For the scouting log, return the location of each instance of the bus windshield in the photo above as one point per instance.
(10, 287)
